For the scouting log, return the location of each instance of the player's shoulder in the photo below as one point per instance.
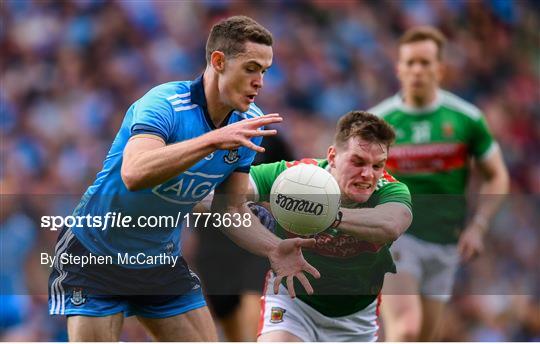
(386, 107)
(176, 93)
(388, 180)
(459, 105)
(172, 90)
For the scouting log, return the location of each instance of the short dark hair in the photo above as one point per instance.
(229, 36)
(425, 33)
(365, 126)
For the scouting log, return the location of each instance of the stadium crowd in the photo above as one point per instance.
(75, 65)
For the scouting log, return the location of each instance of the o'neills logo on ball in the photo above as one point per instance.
(299, 205)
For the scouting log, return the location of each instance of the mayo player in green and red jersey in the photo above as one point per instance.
(437, 136)
(353, 255)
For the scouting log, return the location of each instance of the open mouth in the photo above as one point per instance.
(251, 98)
(362, 186)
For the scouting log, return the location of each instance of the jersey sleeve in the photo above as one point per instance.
(481, 141)
(153, 114)
(396, 192)
(263, 176)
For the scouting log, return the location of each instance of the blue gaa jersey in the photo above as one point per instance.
(175, 111)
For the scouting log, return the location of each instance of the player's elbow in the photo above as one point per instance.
(397, 224)
(391, 231)
(131, 179)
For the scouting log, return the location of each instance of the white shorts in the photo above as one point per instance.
(281, 313)
(433, 265)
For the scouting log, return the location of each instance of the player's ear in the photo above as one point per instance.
(441, 70)
(331, 156)
(217, 59)
(398, 70)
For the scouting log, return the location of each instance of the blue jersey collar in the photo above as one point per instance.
(198, 97)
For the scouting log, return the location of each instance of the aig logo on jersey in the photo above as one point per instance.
(189, 188)
(232, 156)
(276, 315)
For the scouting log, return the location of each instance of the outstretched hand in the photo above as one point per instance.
(239, 134)
(288, 261)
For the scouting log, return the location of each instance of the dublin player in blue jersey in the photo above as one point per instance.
(177, 143)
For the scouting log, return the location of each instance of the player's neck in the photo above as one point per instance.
(419, 101)
(216, 109)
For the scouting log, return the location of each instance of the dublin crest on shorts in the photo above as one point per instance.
(77, 297)
(276, 315)
(232, 156)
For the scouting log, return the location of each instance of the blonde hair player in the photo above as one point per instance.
(437, 134)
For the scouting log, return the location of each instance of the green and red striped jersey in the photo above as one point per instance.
(431, 155)
(352, 270)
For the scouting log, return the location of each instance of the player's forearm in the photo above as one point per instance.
(153, 167)
(379, 225)
(255, 238)
(493, 191)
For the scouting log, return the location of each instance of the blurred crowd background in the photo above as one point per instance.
(70, 69)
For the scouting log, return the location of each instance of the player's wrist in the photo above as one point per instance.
(480, 223)
(212, 140)
(272, 251)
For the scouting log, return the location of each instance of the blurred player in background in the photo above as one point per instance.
(437, 134)
(177, 143)
(353, 254)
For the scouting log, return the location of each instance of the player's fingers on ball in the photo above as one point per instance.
(277, 281)
(290, 286)
(312, 271)
(305, 283)
(297, 242)
(307, 242)
(300, 242)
